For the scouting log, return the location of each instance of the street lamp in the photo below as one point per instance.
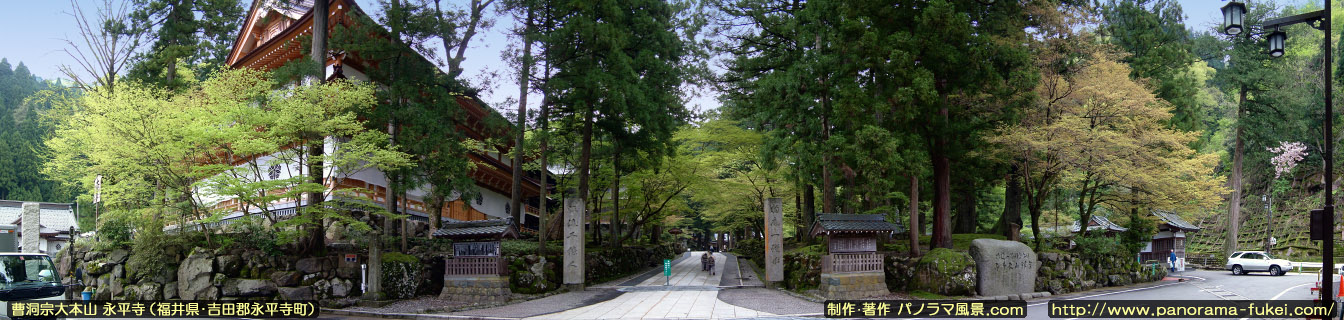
(1233, 24)
(1276, 40)
(1233, 14)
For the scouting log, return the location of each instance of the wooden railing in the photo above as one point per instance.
(851, 262)
(474, 266)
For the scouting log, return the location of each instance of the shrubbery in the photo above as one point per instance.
(751, 248)
(401, 274)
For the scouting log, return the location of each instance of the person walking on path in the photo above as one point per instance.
(1173, 260)
(707, 263)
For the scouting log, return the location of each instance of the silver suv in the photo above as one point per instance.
(1242, 262)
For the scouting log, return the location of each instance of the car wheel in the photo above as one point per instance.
(1236, 270)
(1275, 271)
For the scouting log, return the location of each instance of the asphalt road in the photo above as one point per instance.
(1200, 285)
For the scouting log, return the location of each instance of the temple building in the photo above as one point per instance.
(274, 33)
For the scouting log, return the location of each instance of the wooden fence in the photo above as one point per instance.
(474, 266)
(851, 262)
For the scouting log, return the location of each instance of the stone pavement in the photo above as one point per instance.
(692, 294)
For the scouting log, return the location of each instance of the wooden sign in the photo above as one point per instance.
(476, 249)
(848, 245)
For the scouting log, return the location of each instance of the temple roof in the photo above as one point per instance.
(481, 229)
(852, 223)
(1100, 223)
(1174, 220)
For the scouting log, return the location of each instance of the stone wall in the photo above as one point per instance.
(941, 271)
(852, 285)
(211, 274)
(477, 289)
(1067, 272)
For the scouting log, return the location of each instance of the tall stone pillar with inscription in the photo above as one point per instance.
(574, 264)
(32, 219)
(774, 240)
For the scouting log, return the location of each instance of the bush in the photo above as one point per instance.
(153, 253)
(751, 248)
(250, 232)
(114, 233)
(515, 247)
(1098, 247)
(401, 275)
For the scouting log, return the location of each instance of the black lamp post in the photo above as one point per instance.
(1234, 14)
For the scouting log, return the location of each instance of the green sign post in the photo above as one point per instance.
(667, 271)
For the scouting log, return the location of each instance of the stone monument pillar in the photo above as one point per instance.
(774, 240)
(574, 264)
(32, 226)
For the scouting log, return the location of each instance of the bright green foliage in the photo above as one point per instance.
(733, 182)
(149, 144)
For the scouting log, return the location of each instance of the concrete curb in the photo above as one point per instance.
(1019, 296)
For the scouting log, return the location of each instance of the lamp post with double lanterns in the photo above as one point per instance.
(1323, 220)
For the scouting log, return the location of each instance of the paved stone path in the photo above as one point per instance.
(692, 294)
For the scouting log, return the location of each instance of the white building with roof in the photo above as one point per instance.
(57, 219)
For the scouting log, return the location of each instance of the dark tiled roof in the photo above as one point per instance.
(1174, 220)
(494, 228)
(1101, 223)
(854, 222)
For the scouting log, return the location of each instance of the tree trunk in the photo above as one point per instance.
(542, 214)
(967, 217)
(438, 202)
(516, 198)
(827, 180)
(942, 200)
(585, 157)
(1234, 202)
(915, 228)
(616, 233)
(809, 209)
(1012, 204)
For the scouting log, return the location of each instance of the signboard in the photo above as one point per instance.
(849, 245)
(476, 249)
(667, 267)
(351, 257)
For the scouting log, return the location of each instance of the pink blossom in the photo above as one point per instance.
(1289, 153)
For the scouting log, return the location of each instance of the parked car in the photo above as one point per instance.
(1243, 262)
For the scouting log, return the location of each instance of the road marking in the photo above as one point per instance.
(1276, 297)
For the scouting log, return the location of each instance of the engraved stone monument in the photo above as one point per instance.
(574, 264)
(32, 227)
(1003, 267)
(774, 239)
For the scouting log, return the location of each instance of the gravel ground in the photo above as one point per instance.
(421, 304)
(748, 276)
(769, 300)
(551, 304)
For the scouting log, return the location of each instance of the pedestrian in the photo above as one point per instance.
(1173, 261)
(709, 262)
(705, 261)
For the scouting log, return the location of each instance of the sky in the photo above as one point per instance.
(32, 31)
